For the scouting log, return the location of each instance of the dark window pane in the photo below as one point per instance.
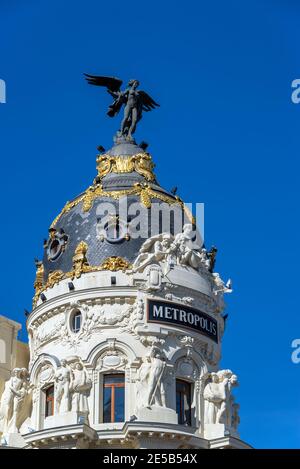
(183, 402)
(49, 404)
(107, 405)
(178, 405)
(119, 404)
(76, 321)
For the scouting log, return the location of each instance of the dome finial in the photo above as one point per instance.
(134, 101)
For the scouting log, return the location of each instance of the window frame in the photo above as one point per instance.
(112, 386)
(188, 385)
(50, 399)
(74, 315)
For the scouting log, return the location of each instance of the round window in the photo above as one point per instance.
(54, 249)
(56, 244)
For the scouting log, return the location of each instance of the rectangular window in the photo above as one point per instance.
(114, 398)
(183, 402)
(49, 401)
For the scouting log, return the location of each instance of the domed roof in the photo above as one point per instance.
(125, 170)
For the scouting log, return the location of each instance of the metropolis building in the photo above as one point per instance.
(127, 321)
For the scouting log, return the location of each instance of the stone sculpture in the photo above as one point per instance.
(15, 403)
(80, 388)
(62, 379)
(154, 250)
(150, 387)
(180, 250)
(218, 398)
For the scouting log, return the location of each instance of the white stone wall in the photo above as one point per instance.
(116, 336)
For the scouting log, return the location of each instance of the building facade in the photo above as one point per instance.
(126, 328)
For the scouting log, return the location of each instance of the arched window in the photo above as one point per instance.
(183, 402)
(114, 398)
(49, 401)
(76, 320)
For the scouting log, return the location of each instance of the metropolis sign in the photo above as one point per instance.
(184, 316)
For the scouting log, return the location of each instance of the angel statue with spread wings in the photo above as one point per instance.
(135, 102)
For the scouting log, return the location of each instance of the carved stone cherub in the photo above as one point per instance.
(164, 247)
(155, 249)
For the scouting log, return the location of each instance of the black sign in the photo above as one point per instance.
(181, 315)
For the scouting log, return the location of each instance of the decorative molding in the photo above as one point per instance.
(187, 300)
(46, 374)
(111, 359)
(136, 318)
(186, 367)
(209, 353)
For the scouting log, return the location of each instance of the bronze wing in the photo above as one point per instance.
(111, 83)
(147, 102)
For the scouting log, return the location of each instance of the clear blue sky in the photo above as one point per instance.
(226, 134)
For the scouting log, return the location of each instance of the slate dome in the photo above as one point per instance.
(125, 170)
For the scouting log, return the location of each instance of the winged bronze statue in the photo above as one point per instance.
(135, 102)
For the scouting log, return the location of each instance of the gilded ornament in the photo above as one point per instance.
(144, 191)
(141, 163)
(80, 262)
(115, 263)
(53, 278)
(39, 280)
(144, 166)
(39, 276)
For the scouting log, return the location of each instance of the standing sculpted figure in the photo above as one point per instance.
(218, 398)
(62, 379)
(228, 381)
(213, 396)
(135, 102)
(15, 402)
(80, 388)
(150, 388)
